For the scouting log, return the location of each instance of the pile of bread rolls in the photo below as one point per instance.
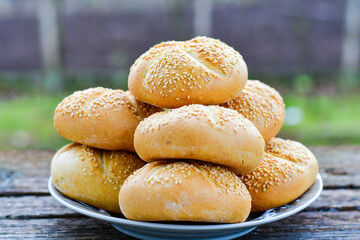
(192, 140)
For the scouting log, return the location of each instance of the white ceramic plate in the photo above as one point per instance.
(189, 230)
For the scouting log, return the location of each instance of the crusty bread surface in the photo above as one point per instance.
(208, 133)
(287, 171)
(184, 191)
(199, 71)
(101, 118)
(262, 105)
(91, 175)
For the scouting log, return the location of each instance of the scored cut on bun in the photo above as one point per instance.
(262, 105)
(101, 117)
(199, 71)
(91, 175)
(208, 133)
(184, 191)
(287, 171)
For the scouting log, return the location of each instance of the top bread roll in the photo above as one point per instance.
(199, 71)
(207, 133)
(101, 118)
(262, 105)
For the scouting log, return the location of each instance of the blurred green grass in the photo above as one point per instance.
(328, 120)
(29, 117)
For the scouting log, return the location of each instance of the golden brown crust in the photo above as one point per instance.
(101, 118)
(184, 191)
(262, 105)
(208, 133)
(91, 175)
(286, 172)
(202, 71)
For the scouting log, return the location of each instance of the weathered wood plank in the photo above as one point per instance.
(24, 172)
(305, 225)
(313, 225)
(337, 199)
(63, 228)
(28, 207)
(27, 172)
(320, 221)
(339, 166)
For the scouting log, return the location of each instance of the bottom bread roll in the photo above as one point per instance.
(184, 191)
(287, 171)
(92, 175)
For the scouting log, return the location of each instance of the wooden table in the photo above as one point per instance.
(28, 211)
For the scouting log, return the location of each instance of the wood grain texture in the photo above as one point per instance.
(339, 166)
(24, 172)
(61, 228)
(27, 207)
(28, 211)
(312, 225)
(304, 225)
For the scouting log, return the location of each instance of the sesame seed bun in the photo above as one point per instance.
(184, 191)
(262, 105)
(199, 71)
(208, 133)
(101, 118)
(286, 172)
(91, 175)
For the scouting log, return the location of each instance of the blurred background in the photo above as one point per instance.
(309, 50)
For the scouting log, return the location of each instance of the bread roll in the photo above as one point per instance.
(91, 175)
(202, 70)
(208, 133)
(262, 105)
(286, 172)
(184, 191)
(101, 118)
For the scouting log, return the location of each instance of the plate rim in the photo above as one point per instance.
(183, 227)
